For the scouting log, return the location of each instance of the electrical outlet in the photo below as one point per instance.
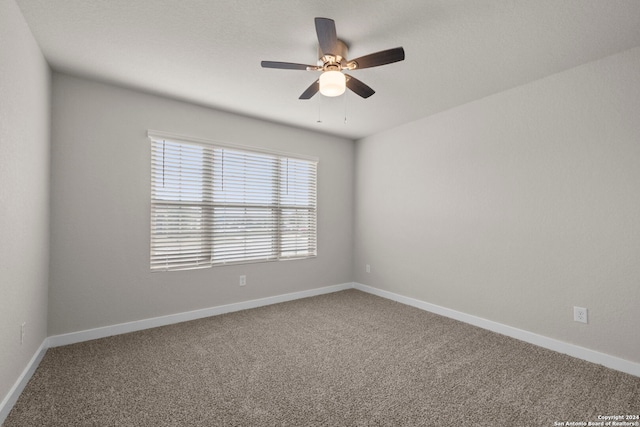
(22, 330)
(243, 280)
(368, 268)
(580, 314)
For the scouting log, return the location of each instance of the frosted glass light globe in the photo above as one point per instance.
(332, 83)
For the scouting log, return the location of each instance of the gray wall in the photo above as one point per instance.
(24, 194)
(515, 207)
(100, 209)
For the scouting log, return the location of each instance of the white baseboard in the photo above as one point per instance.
(12, 397)
(138, 325)
(593, 356)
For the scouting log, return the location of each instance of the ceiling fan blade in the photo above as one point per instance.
(327, 38)
(286, 65)
(358, 87)
(311, 90)
(383, 57)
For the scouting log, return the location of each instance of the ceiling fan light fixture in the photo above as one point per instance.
(332, 83)
(332, 54)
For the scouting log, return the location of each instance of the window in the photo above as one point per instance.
(215, 204)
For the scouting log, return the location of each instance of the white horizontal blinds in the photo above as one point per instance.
(180, 206)
(245, 226)
(297, 208)
(220, 205)
(264, 207)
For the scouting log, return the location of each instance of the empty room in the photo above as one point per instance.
(336, 213)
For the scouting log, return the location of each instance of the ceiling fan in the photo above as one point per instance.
(332, 61)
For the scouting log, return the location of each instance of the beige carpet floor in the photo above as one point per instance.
(342, 359)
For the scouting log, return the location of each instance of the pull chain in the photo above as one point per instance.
(345, 107)
(319, 109)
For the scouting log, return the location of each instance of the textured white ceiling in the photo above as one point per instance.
(209, 52)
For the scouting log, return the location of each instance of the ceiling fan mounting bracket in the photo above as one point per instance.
(351, 65)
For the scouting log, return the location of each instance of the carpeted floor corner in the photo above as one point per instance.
(342, 359)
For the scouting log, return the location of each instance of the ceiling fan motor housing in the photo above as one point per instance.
(333, 60)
